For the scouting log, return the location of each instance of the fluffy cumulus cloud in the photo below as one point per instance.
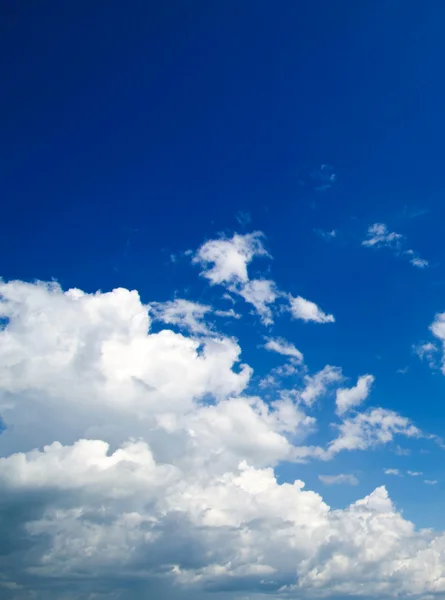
(306, 310)
(225, 260)
(347, 398)
(136, 463)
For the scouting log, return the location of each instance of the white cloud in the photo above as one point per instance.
(260, 293)
(347, 398)
(393, 472)
(225, 260)
(414, 473)
(185, 314)
(427, 350)
(369, 429)
(438, 330)
(228, 313)
(317, 385)
(134, 461)
(379, 236)
(308, 311)
(338, 479)
(430, 481)
(54, 336)
(284, 347)
(421, 263)
(188, 315)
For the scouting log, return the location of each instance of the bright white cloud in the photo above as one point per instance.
(225, 260)
(338, 479)
(308, 311)
(283, 347)
(347, 398)
(134, 461)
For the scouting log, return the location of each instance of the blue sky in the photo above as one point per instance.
(132, 136)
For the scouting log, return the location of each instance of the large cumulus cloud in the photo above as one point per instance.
(136, 462)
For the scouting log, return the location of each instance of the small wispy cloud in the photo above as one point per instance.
(430, 481)
(338, 479)
(399, 473)
(283, 347)
(414, 213)
(379, 236)
(324, 178)
(326, 235)
(402, 451)
(426, 351)
(393, 472)
(243, 218)
(421, 263)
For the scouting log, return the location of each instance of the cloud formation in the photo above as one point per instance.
(282, 346)
(379, 236)
(225, 260)
(338, 479)
(308, 311)
(348, 398)
(137, 463)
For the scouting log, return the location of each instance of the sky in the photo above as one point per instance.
(222, 300)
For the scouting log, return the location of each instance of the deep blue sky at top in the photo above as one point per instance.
(130, 131)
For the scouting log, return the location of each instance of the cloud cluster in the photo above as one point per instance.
(225, 261)
(136, 463)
